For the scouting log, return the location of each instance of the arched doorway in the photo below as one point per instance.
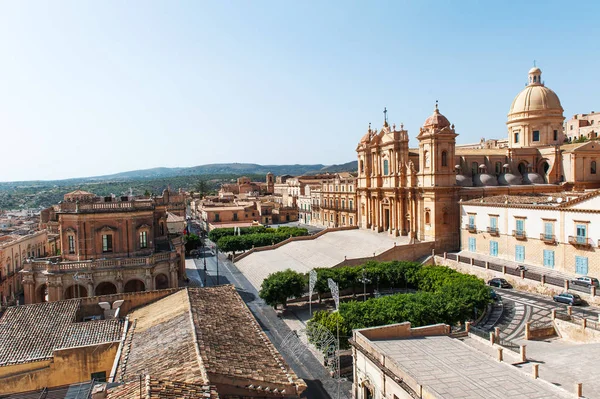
(161, 282)
(106, 288)
(543, 167)
(76, 291)
(41, 294)
(134, 286)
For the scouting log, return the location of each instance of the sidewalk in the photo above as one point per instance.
(513, 264)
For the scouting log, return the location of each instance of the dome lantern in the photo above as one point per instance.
(535, 76)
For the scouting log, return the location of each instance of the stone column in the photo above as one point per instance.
(149, 280)
(173, 280)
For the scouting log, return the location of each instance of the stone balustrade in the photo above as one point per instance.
(67, 266)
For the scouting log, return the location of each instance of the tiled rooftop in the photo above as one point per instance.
(529, 199)
(161, 342)
(231, 341)
(197, 333)
(32, 332)
(162, 389)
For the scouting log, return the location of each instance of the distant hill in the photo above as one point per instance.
(227, 169)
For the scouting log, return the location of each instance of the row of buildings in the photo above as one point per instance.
(420, 191)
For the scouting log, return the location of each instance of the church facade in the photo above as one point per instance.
(416, 191)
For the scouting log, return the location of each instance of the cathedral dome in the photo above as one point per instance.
(509, 179)
(533, 178)
(436, 120)
(464, 181)
(485, 179)
(535, 97)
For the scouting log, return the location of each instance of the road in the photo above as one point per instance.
(320, 384)
(521, 307)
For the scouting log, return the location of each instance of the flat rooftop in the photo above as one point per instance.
(449, 368)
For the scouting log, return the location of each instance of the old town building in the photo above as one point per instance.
(334, 201)
(404, 191)
(244, 185)
(108, 245)
(15, 251)
(559, 231)
(400, 362)
(197, 342)
(583, 126)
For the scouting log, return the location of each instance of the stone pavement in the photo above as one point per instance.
(325, 251)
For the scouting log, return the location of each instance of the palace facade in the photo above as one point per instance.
(108, 245)
(416, 191)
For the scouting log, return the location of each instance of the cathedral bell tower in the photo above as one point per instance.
(437, 191)
(437, 142)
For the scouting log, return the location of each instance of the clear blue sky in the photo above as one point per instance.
(97, 87)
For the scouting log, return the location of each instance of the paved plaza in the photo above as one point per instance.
(325, 251)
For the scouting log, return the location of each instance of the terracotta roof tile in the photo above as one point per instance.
(162, 342)
(231, 341)
(162, 389)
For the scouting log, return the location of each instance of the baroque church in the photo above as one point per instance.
(416, 191)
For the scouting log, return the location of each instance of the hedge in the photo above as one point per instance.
(246, 241)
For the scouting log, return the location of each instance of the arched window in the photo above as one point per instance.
(593, 167)
(474, 168)
(362, 166)
(498, 167)
(427, 217)
(444, 158)
(386, 167)
(445, 217)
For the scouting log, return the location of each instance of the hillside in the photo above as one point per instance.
(35, 194)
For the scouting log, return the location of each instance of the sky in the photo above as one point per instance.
(90, 88)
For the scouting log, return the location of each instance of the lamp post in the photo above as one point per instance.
(217, 254)
(204, 259)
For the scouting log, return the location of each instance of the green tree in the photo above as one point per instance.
(192, 241)
(279, 286)
(201, 187)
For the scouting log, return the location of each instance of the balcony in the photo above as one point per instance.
(471, 227)
(579, 241)
(493, 231)
(548, 238)
(520, 234)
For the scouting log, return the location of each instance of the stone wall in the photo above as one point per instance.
(408, 252)
(292, 239)
(89, 306)
(575, 332)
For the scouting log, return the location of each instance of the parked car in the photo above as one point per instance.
(521, 267)
(493, 295)
(586, 281)
(568, 298)
(499, 282)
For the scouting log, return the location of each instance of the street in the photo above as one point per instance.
(521, 307)
(320, 384)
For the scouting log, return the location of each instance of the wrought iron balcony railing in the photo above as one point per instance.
(520, 234)
(580, 241)
(548, 238)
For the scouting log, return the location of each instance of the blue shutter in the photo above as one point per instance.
(548, 230)
(581, 231)
(549, 258)
(472, 244)
(520, 225)
(581, 265)
(519, 253)
(471, 220)
(494, 248)
(494, 222)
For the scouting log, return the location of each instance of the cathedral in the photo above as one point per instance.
(416, 191)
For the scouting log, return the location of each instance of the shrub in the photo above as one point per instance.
(444, 296)
(280, 286)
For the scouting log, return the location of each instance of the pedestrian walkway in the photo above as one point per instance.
(514, 264)
(325, 251)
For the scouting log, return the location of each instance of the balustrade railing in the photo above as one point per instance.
(59, 266)
(580, 241)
